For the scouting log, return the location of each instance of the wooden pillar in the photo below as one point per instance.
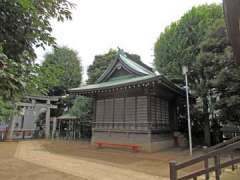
(59, 128)
(206, 166)
(113, 112)
(173, 170)
(72, 129)
(217, 166)
(12, 128)
(135, 123)
(69, 133)
(149, 118)
(54, 127)
(104, 112)
(47, 123)
(124, 111)
(94, 120)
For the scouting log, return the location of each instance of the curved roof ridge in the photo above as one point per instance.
(135, 67)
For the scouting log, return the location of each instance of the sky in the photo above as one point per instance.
(132, 25)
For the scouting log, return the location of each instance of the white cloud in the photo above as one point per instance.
(133, 25)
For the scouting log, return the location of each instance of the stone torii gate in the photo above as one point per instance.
(37, 103)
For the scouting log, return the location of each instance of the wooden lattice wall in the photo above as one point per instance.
(133, 113)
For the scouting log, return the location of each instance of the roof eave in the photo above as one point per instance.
(159, 79)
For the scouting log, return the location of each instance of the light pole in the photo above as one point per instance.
(185, 71)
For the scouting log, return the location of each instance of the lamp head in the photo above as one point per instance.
(184, 69)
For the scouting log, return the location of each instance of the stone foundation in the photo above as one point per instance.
(148, 142)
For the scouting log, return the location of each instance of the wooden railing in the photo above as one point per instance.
(216, 165)
(225, 143)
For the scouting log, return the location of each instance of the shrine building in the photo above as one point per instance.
(134, 105)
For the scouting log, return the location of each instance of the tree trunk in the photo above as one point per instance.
(207, 137)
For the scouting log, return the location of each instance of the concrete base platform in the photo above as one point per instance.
(148, 142)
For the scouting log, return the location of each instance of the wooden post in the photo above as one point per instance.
(173, 170)
(69, 132)
(74, 130)
(59, 128)
(135, 122)
(232, 157)
(124, 112)
(23, 134)
(113, 113)
(54, 127)
(217, 167)
(206, 167)
(47, 123)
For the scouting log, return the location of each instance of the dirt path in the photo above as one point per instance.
(15, 169)
(33, 152)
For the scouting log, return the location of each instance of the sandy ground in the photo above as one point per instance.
(156, 164)
(60, 160)
(149, 163)
(33, 152)
(15, 169)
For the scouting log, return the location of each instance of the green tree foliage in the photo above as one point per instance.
(6, 109)
(223, 74)
(228, 87)
(185, 43)
(25, 24)
(101, 63)
(82, 108)
(60, 71)
(179, 43)
(9, 80)
(214, 56)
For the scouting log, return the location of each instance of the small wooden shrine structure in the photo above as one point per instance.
(133, 105)
(71, 128)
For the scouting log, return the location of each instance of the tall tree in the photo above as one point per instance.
(24, 25)
(213, 58)
(222, 73)
(61, 70)
(180, 44)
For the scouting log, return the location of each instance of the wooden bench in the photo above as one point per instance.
(134, 147)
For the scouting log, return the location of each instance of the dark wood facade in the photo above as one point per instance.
(134, 110)
(133, 105)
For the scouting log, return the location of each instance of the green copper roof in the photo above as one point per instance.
(126, 82)
(124, 62)
(113, 83)
(134, 65)
(132, 75)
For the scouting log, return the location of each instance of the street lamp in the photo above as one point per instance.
(185, 71)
